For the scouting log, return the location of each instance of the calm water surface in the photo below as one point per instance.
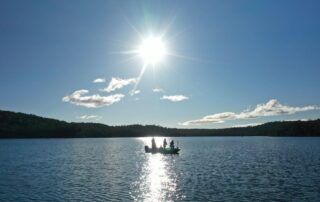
(117, 169)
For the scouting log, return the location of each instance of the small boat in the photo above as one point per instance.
(162, 150)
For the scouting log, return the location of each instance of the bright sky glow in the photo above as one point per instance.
(152, 50)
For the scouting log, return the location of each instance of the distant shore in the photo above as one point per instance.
(20, 125)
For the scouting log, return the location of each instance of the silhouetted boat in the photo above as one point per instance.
(162, 150)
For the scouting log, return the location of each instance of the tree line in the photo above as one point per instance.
(20, 125)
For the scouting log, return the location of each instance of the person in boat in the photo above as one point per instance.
(172, 144)
(164, 143)
(153, 144)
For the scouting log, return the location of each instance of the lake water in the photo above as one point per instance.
(117, 169)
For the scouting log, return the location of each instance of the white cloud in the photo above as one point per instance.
(99, 80)
(117, 83)
(134, 92)
(174, 98)
(89, 117)
(91, 101)
(298, 120)
(158, 90)
(272, 108)
(246, 125)
(215, 118)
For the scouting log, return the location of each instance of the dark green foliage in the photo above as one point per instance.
(19, 125)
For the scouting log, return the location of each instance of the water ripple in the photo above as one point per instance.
(208, 169)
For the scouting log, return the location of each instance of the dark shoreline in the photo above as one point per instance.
(63, 138)
(22, 126)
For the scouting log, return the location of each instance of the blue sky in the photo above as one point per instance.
(238, 63)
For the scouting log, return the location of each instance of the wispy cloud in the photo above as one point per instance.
(174, 98)
(246, 125)
(158, 90)
(297, 120)
(118, 83)
(99, 80)
(89, 117)
(272, 108)
(134, 92)
(91, 101)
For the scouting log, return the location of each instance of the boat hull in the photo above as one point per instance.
(162, 150)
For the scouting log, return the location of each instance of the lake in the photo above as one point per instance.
(117, 169)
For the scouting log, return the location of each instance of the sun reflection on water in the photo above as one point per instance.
(157, 181)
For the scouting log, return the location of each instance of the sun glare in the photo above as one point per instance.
(152, 50)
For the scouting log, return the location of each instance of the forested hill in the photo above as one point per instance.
(20, 125)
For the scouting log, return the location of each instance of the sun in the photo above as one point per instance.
(152, 50)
